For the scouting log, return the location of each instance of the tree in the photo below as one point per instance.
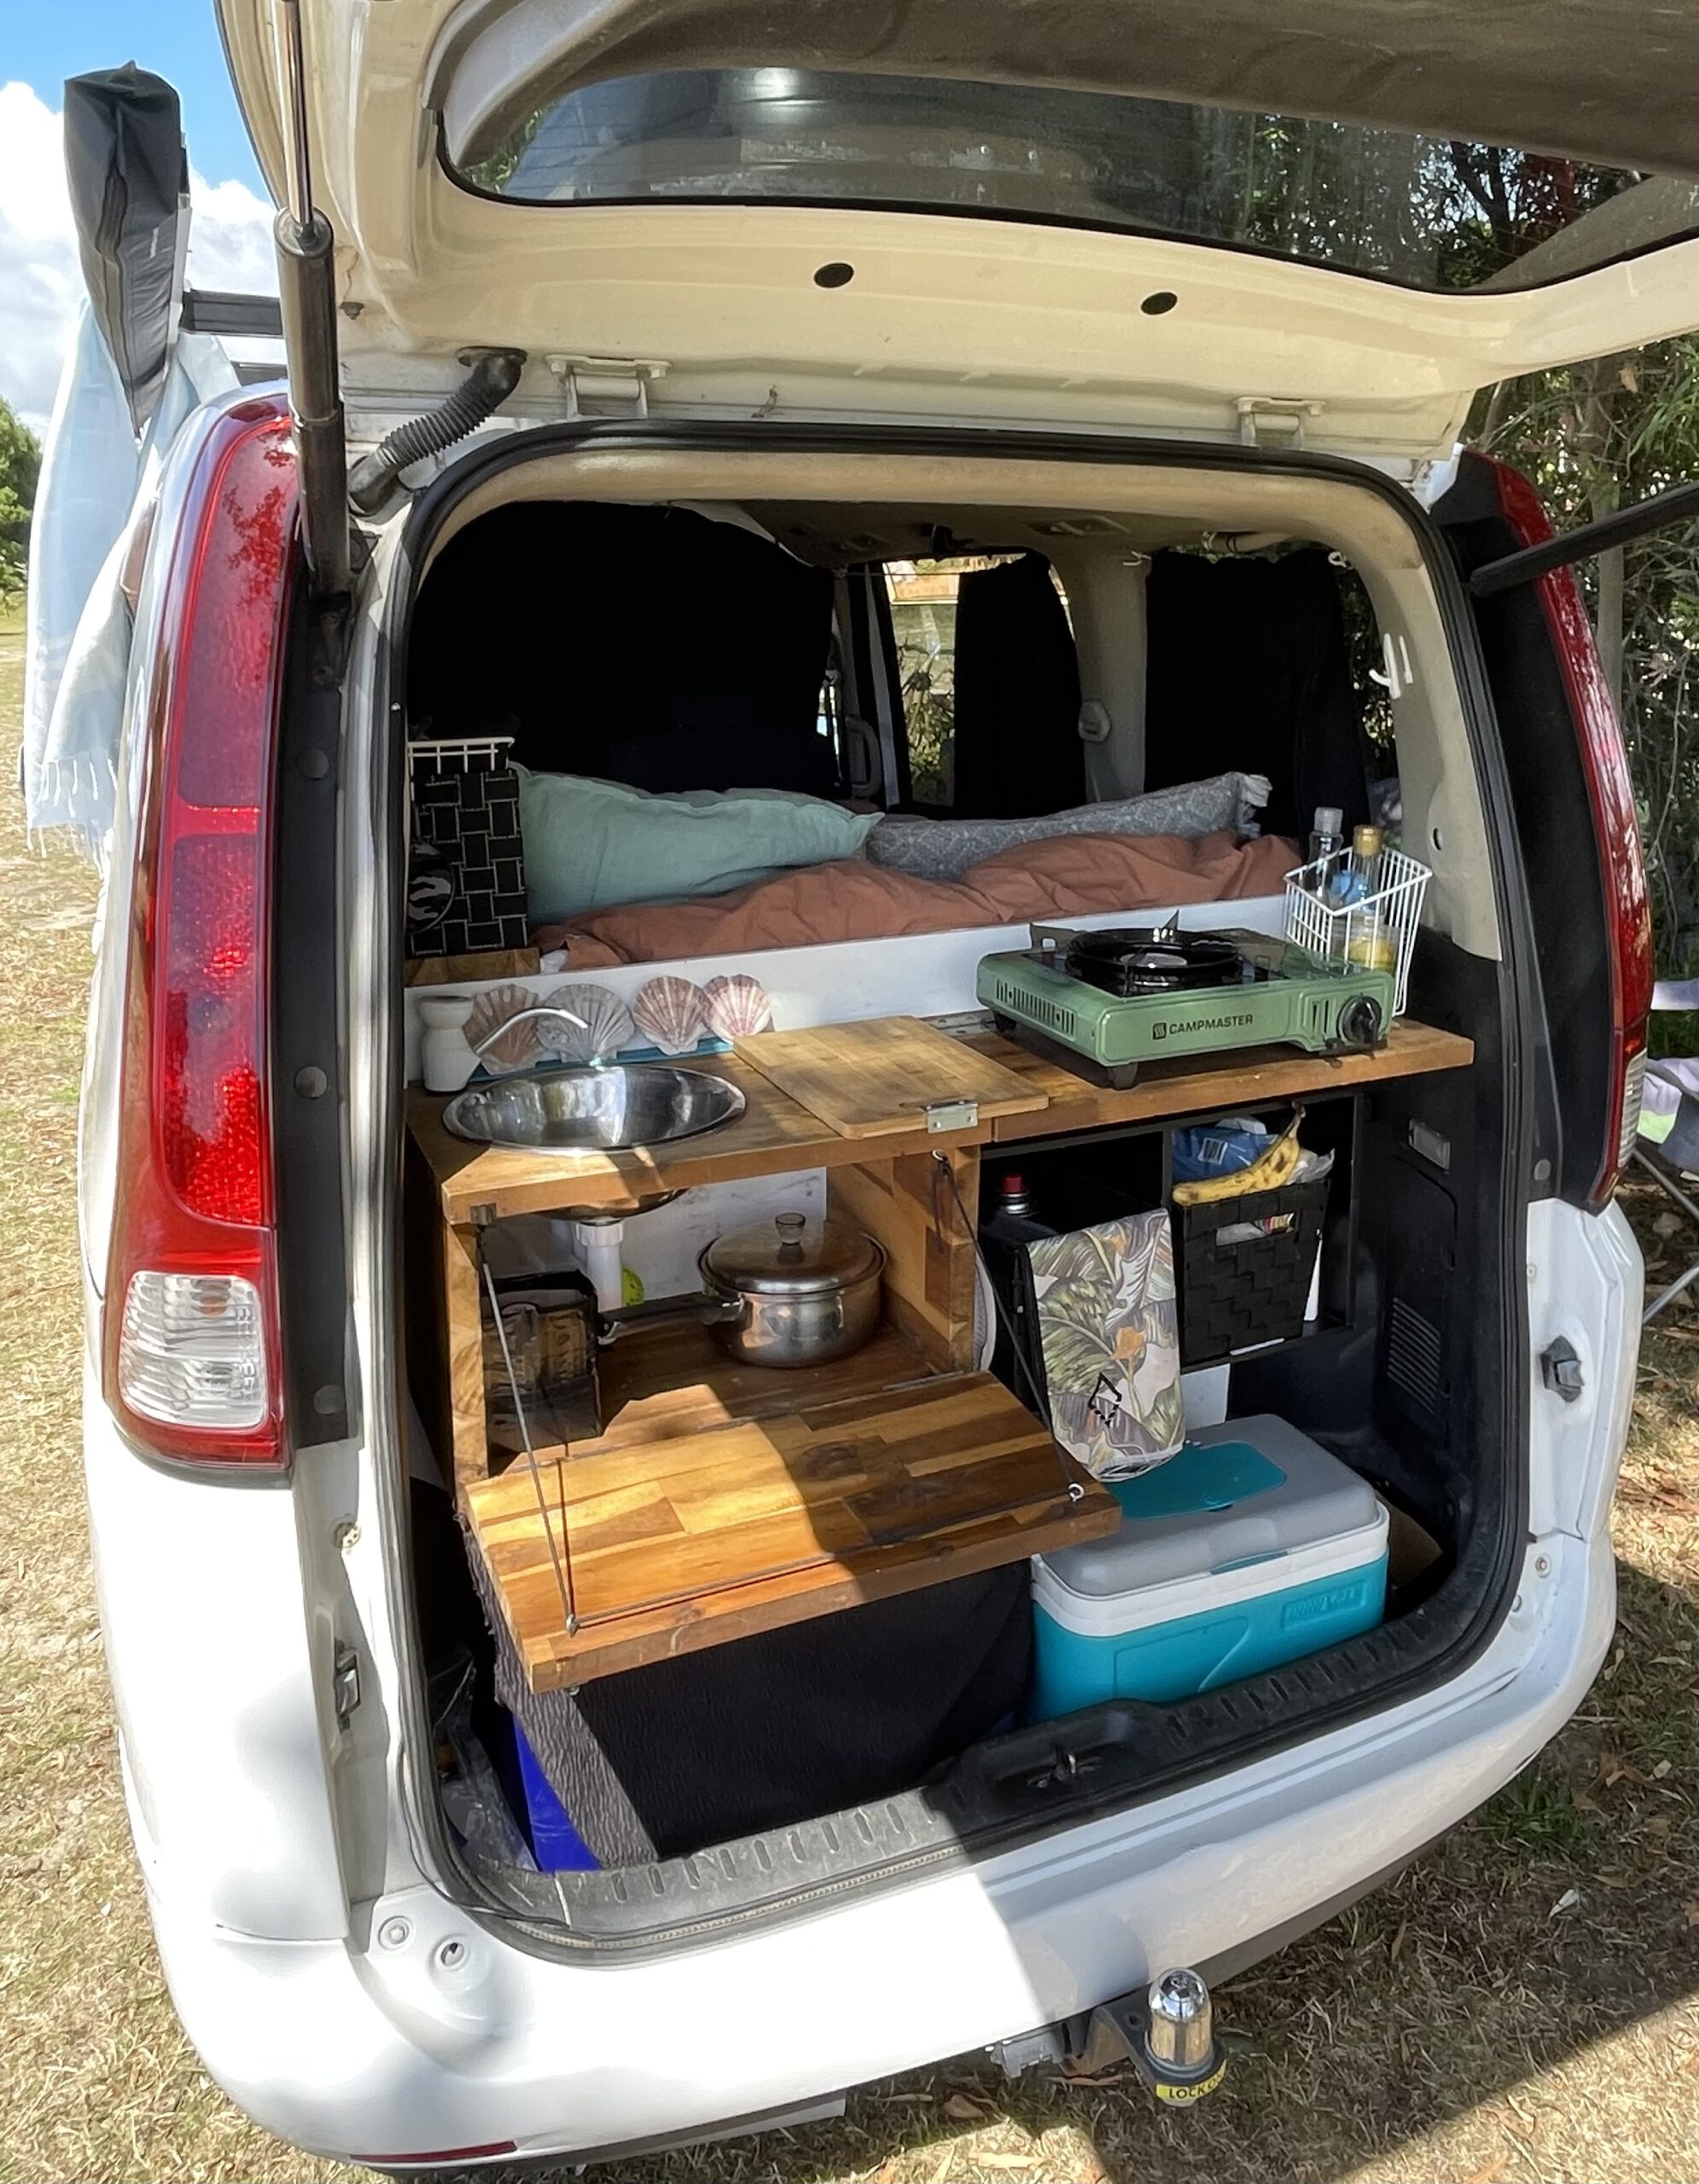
(20, 468)
(1621, 428)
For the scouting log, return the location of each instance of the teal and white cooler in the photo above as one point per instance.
(1250, 1547)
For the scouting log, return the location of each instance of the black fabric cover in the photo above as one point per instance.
(128, 174)
(767, 1731)
(1247, 671)
(1018, 753)
(646, 645)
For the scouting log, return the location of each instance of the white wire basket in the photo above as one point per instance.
(1351, 933)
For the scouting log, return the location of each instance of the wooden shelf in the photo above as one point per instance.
(471, 970)
(723, 1498)
(774, 1135)
(1218, 1083)
(674, 1544)
(666, 1382)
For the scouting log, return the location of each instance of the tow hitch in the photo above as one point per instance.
(1169, 2032)
(1166, 2028)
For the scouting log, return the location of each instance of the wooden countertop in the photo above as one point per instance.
(776, 1134)
(1221, 1082)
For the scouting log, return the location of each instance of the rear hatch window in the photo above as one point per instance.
(1423, 211)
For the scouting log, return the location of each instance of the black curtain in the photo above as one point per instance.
(1018, 753)
(877, 675)
(647, 644)
(1248, 672)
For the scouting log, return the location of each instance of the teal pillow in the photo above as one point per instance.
(593, 846)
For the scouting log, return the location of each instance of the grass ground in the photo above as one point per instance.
(1523, 2004)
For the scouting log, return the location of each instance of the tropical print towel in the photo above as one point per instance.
(1109, 1332)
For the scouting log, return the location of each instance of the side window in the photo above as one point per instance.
(922, 595)
(984, 742)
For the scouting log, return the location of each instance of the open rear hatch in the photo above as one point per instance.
(643, 198)
(1309, 227)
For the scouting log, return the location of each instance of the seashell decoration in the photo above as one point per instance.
(607, 1026)
(517, 1049)
(668, 1012)
(736, 1005)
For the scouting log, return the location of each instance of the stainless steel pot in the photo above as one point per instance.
(809, 1289)
(785, 1292)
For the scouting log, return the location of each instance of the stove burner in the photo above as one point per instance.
(1127, 961)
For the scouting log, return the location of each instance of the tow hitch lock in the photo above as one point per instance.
(1169, 2032)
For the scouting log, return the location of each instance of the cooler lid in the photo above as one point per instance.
(1239, 1492)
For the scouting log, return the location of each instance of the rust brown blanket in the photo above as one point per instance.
(1068, 875)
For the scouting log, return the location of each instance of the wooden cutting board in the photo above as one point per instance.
(870, 1079)
(672, 1545)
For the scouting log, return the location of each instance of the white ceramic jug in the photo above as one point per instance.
(445, 1053)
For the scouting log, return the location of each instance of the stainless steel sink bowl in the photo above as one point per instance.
(594, 1110)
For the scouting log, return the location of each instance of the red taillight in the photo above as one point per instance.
(192, 1354)
(1611, 790)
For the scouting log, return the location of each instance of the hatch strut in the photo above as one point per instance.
(306, 286)
(1676, 504)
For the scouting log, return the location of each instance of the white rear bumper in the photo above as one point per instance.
(386, 2051)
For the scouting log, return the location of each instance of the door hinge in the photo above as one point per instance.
(1560, 1369)
(1272, 420)
(345, 1683)
(607, 386)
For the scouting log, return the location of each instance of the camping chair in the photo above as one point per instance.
(1668, 1144)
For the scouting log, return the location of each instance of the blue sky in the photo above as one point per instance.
(45, 41)
(42, 42)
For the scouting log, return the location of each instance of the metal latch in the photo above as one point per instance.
(345, 1683)
(603, 387)
(1560, 1367)
(950, 1114)
(1270, 417)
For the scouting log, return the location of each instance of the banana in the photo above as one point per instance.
(1266, 1173)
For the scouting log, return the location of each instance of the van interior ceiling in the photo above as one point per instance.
(948, 692)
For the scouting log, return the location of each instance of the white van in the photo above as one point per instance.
(946, 416)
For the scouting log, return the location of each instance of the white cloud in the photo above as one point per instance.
(229, 246)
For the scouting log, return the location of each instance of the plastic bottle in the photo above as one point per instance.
(1327, 841)
(1012, 1197)
(1359, 875)
(1003, 1235)
(1366, 846)
(1369, 940)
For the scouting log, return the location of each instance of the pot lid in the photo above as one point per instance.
(792, 1255)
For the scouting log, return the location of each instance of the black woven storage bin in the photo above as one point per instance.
(466, 875)
(1234, 1296)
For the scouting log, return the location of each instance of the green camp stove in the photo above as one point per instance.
(1102, 1003)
